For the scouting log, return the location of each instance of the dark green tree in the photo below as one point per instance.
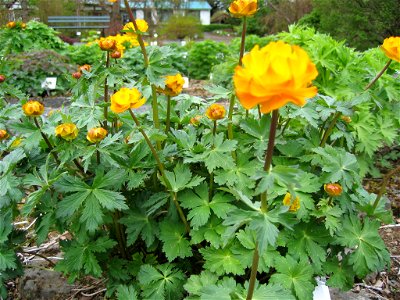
(362, 23)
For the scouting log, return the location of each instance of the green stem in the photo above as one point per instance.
(210, 190)
(46, 141)
(119, 235)
(378, 75)
(382, 190)
(97, 154)
(242, 43)
(259, 111)
(329, 129)
(168, 121)
(106, 92)
(154, 105)
(264, 204)
(161, 169)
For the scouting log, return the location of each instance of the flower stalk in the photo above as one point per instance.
(382, 190)
(46, 141)
(378, 75)
(168, 120)
(329, 129)
(161, 169)
(106, 92)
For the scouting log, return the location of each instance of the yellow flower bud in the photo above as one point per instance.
(107, 44)
(243, 8)
(293, 206)
(126, 98)
(96, 134)
(215, 111)
(11, 24)
(333, 189)
(346, 119)
(173, 85)
(3, 134)
(67, 131)
(33, 108)
(391, 47)
(195, 120)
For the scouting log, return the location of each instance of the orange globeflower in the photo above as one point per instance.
(3, 134)
(173, 85)
(67, 131)
(287, 200)
(11, 24)
(215, 111)
(141, 24)
(243, 8)
(84, 68)
(126, 98)
(96, 134)
(107, 44)
(33, 108)
(391, 47)
(275, 75)
(333, 189)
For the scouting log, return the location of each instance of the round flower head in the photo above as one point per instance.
(215, 111)
(173, 85)
(96, 134)
(11, 24)
(33, 108)
(2, 78)
(116, 54)
(391, 47)
(243, 8)
(273, 76)
(293, 206)
(84, 68)
(3, 134)
(126, 98)
(141, 24)
(67, 131)
(333, 189)
(107, 44)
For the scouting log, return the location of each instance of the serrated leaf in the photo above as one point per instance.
(126, 292)
(138, 223)
(267, 292)
(196, 283)
(7, 259)
(182, 178)
(175, 244)
(222, 261)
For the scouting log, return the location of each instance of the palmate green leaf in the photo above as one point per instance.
(369, 251)
(139, 223)
(7, 259)
(222, 290)
(222, 261)
(182, 178)
(6, 226)
(161, 282)
(236, 219)
(338, 166)
(126, 292)
(185, 139)
(197, 201)
(341, 273)
(175, 244)
(8, 162)
(294, 275)
(332, 214)
(211, 232)
(196, 283)
(306, 112)
(266, 292)
(308, 239)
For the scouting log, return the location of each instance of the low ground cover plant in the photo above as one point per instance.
(196, 200)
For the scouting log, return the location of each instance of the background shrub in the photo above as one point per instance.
(84, 54)
(179, 27)
(213, 27)
(203, 56)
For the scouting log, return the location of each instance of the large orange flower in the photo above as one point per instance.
(126, 98)
(173, 85)
(33, 108)
(243, 8)
(391, 47)
(67, 131)
(275, 75)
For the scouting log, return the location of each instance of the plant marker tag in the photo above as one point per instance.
(321, 291)
(49, 83)
(186, 84)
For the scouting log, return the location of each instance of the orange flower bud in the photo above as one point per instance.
(195, 120)
(173, 85)
(96, 134)
(116, 54)
(67, 131)
(77, 75)
(33, 108)
(333, 189)
(215, 111)
(243, 8)
(107, 44)
(11, 24)
(391, 47)
(271, 77)
(3, 134)
(346, 119)
(126, 98)
(84, 68)
(2, 78)
(293, 206)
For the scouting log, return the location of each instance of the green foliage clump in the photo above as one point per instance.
(363, 24)
(203, 56)
(84, 54)
(180, 27)
(214, 27)
(36, 36)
